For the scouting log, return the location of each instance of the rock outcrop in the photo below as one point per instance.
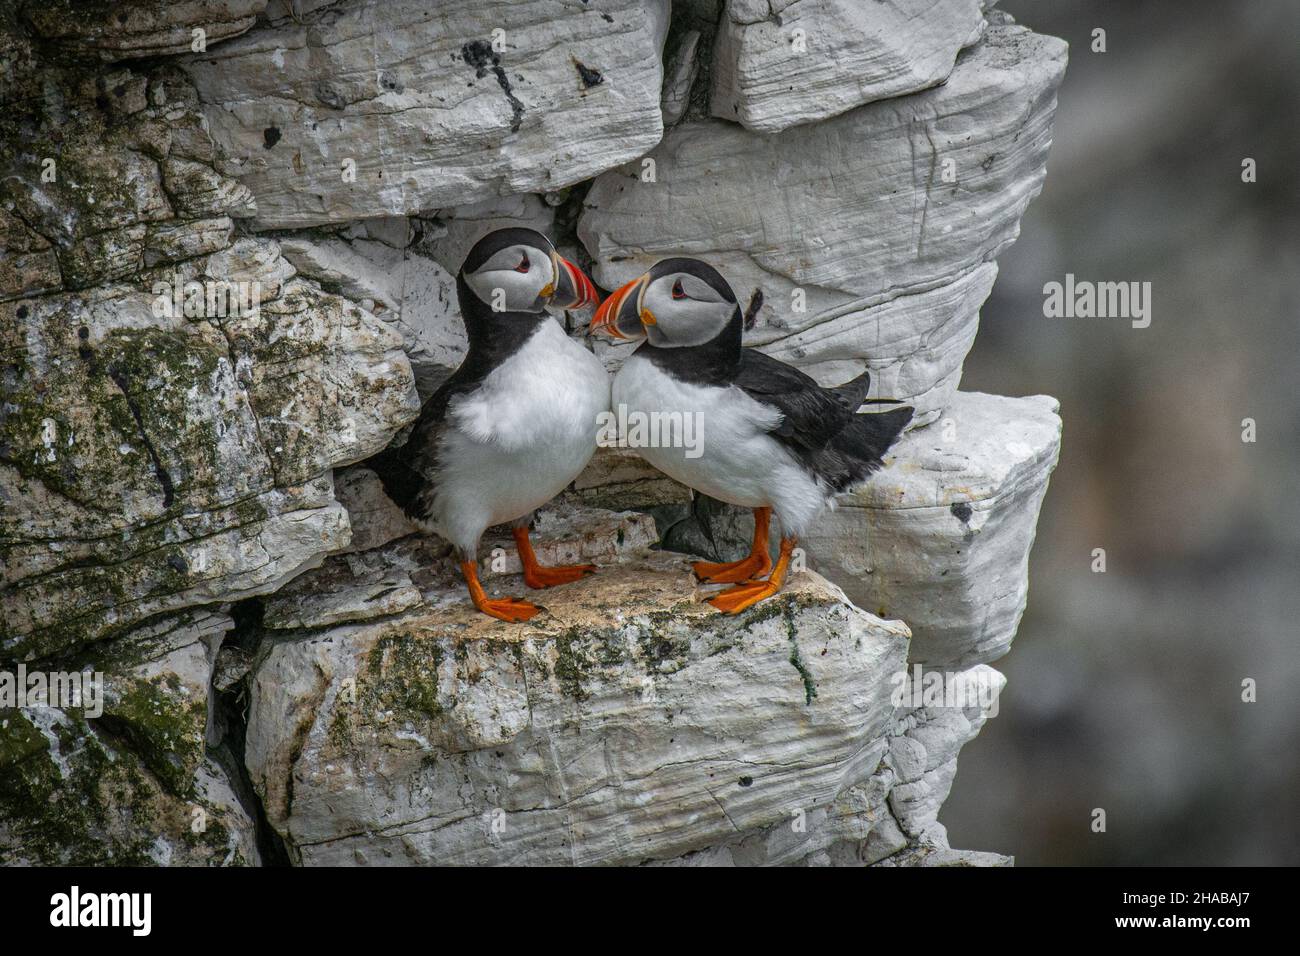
(216, 439)
(434, 736)
(781, 64)
(230, 231)
(410, 729)
(890, 273)
(138, 28)
(383, 107)
(134, 784)
(941, 536)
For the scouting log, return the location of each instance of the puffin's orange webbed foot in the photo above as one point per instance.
(510, 610)
(746, 595)
(757, 564)
(733, 572)
(540, 577)
(743, 596)
(536, 576)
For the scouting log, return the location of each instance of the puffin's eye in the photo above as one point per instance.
(678, 291)
(524, 264)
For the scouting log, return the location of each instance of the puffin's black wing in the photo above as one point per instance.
(819, 425)
(406, 471)
(812, 414)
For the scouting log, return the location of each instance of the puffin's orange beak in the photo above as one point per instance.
(619, 316)
(572, 288)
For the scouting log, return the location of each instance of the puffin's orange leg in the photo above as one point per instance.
(742, 596)
(756, 565)
(511, 610)
(536, 576)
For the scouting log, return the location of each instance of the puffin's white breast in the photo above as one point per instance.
(515, 442)
(738, 461)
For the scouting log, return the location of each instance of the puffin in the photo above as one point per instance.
(515, 423)
(772, 439)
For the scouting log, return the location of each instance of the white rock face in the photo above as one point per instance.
(631, 723)
(913, 344)
(680, 77)
(893, 267)
(448, 235)
(157, 468)
(923, 754)
(374, 518)
(581, 738)
(408, 291)
(941, 536)
(370, 581)
(783, 63)
(404, 271)
(416, 101)
(216, 438)
(890, 817)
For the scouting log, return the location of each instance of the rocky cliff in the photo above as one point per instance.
(229, 231)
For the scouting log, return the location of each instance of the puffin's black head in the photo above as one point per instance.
(679, 302)
(518, 270)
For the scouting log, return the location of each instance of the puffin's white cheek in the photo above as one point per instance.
(686, 323)
(506, 290)
(657, 302)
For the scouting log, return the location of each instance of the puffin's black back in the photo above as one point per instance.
(821, 427)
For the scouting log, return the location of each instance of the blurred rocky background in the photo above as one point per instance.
(1124, 691)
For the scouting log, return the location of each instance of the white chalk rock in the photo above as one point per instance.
(378, 108)
(923, 754)
(627, 724)
(449, 234)
(124, 778)
(408, 291)
(779, 64)
(879, 250)
(163, 461)
(941, 536)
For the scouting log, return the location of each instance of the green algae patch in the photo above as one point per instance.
(401, 675)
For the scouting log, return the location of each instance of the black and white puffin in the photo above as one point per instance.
(772, 439)
(516, 422)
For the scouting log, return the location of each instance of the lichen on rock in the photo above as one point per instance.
(133, 784)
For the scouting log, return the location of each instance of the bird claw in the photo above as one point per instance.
(732, 572)
(510, 610)
(743, 596)
(560, 574)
